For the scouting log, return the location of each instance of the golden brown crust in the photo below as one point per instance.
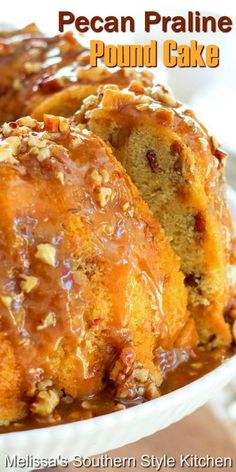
(85, 271)
(42, 74)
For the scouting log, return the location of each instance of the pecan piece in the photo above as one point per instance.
(124, 365)
(45, 402)
(51, 85)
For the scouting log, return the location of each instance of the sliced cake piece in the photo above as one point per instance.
(179, 171)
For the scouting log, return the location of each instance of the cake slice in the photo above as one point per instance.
(179, 171)
(89, 285)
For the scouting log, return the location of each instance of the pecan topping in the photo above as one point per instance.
(104, 196)
(137, 87)
(152, 391)
(28, 283)
(32, 67)
(46, 253)
(45, 402)
(51, 85)
(6, 300)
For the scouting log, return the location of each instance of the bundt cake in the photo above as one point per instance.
(93, 298)
(42, 74)
(89, 285)
(179, 170)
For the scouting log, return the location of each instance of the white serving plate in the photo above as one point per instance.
(104, 433)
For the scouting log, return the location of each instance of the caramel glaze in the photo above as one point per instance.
(179, 367)
(34, 67)
(139, 103)
(156, 106)
(71, 219)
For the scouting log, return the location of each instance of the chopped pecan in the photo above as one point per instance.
(61, 177)
(49, 321)
(46, 253)
(137, 87)
(32, 67)
(45, 402)
(124, 365)
(27, 121)
(51, 85)
(152, 391)
(56, 124)
(165, 97)
(6, 130)
(141, 374)
(115, 100)
(103, 196)
(96, 177)
(28, 283)
(6, 300)
(9, 148)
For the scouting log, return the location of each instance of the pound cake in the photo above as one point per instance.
(89, 285)
(179, 171)
(42, 74)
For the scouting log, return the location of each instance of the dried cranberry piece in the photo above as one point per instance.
(176, 148)
(200, 223)
(152, 159)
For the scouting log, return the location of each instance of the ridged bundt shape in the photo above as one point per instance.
(179, 171)
(91, 292)
(42, 74)
(89, 286)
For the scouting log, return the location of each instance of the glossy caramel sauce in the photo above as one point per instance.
(59, 288)
(34, 67)
(138, 104)
(203, 168)
(61, 292)
(67, 314)
(180, 368)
